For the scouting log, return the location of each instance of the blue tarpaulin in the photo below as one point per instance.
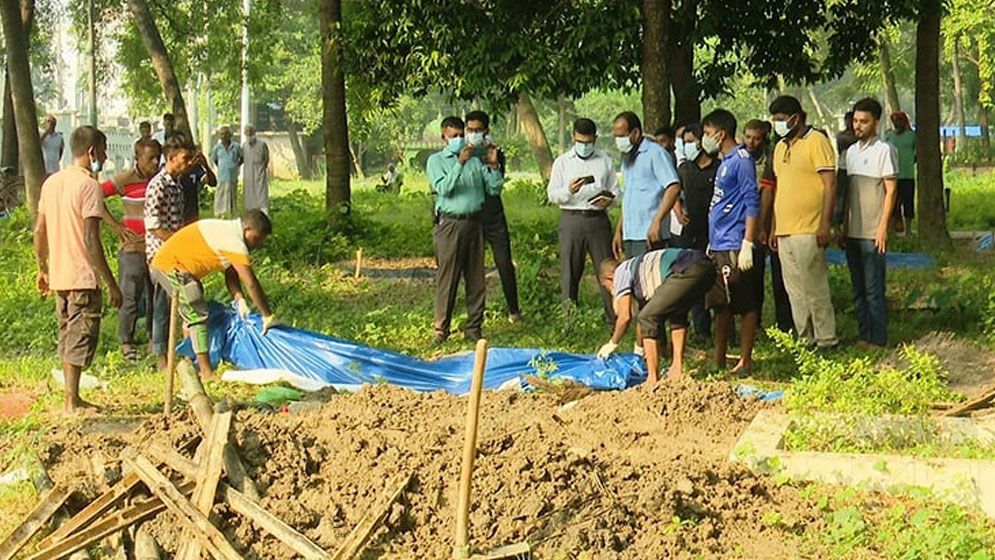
(915, 261)
(310, 360)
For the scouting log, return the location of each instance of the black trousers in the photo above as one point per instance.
(459, 251)
(496, 234)
(782, 305)
(672, 299)
(584, 233)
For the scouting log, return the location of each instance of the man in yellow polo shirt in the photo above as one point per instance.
(208, 246)
(804, 164)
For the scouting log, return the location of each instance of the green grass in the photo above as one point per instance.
(972, 207)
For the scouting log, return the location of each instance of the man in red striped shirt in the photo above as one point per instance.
(133, 272)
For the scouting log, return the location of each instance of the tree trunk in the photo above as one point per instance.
(8, 150)
(529, 120)
(656, 81)
(561, 124)
(986, 140)
(932, 216)
(891, 101)
(161, 63)
(958, 97)
(300, 154)
(687, 93)
(337, 189)
(23, 97)
(820, 114)
(356, 155)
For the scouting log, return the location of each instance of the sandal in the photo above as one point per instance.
(130, 352)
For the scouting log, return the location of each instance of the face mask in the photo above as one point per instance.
(623, 144)
(710, 144)
(781, 128)
(475, 138)
(95, 165)
(583, 149)
(691, 151)
(679, 145)
(456, 144)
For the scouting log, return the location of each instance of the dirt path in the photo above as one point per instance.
(605, 477)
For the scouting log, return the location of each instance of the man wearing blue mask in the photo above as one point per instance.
(492, 215)
(650, 188)
(460, 180)
(584, 184)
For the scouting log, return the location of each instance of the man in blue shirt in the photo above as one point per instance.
(732, 227)
(460, 180)
(650, 188)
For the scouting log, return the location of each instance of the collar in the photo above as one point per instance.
(861, 145)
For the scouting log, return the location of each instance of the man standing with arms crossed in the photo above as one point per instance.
(804, 167)
(460, 180)
(71, 257)
(872, 166)
(227, 158)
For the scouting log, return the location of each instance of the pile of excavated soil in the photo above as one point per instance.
(634, 474)
(970, 367)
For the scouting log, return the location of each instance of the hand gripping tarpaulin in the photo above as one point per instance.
(310, 360)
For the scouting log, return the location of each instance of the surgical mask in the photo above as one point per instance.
(475, 138)
(584, 149)
(691, 151)
(781, 128)
(710, 144)
(679, 145)
(95, 165)
(456, 144)
(623, 144)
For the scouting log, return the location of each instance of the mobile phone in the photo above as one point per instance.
(600, 197)
(587, 180)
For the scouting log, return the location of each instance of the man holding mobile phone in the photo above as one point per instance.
(584, 184)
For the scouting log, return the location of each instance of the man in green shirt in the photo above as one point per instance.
(460, 180)
(903, 138)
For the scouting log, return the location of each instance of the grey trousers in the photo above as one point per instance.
(459, 251)
(225, 198)
(582, 234)
(133, 278)
(673, 299)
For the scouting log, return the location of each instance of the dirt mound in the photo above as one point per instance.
(970, 366)
(634, 474)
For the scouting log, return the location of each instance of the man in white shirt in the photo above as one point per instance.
(52, 146)
(584, 184)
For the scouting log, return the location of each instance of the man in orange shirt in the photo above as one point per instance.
(210, 246)
(71, 256)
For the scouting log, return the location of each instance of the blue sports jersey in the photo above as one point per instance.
(736, 198)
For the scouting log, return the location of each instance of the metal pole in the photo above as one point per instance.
(244, 114)
(93, 62)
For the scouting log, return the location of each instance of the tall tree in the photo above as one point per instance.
(656, 79)
(891, 100)
(8, 150)
(161, 63)
(932, 215)
(529, 120)
(22, 94)
(958, 94)
(337, 188)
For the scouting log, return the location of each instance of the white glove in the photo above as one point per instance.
(607, 350)
(638, 350)
(746, 255)
(243, 307)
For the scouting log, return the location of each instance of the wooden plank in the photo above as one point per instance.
(242, 505)
(361, 533)
(985, 399)
(104, 526)
(211, 463)
(194, 521)
(40, 515)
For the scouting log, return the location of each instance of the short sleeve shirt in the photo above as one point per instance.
(51, 149)
(227, 160)
(164, 205)
(868, 165)
(698, 187)
(905, 144)
(644, 180)
(736, 198)
(68, 199)
(204, 247)
(640, 277)
(800, 190)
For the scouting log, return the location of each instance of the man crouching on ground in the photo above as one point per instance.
(204, 247)
(661, 285)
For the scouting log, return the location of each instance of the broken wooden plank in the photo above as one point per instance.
(196, 522)
(242, 505)
(363, 530)
(40, 515)
(104, 526)
(983, 400)
(208, 476)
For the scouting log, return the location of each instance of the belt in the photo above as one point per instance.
(591, 213)
(451, 216)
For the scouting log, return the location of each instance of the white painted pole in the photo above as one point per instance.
(244, 116)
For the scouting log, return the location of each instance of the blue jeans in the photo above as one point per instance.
(867, 271)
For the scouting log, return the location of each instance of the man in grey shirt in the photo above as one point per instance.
(52, 146)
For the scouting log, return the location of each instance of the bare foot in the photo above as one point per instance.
(653, 379)
(161, 362)
(742, 369)
(81, 408)
(675, 372)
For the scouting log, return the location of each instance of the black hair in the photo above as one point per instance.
(721, 120)
(630, 119)
(177, 141)
(168, 117)
(146, 144)
(665, 130)
(84, 138)
(257, 220)
(693, 128)
(757, 124)
(585, 127)
(787, 105)
(146, 124)
(453, 121)
(869, 105)
(479, 116)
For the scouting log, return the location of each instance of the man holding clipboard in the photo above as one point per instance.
(584, 185)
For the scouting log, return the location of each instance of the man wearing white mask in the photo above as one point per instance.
(650, 189)
(584, 184)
